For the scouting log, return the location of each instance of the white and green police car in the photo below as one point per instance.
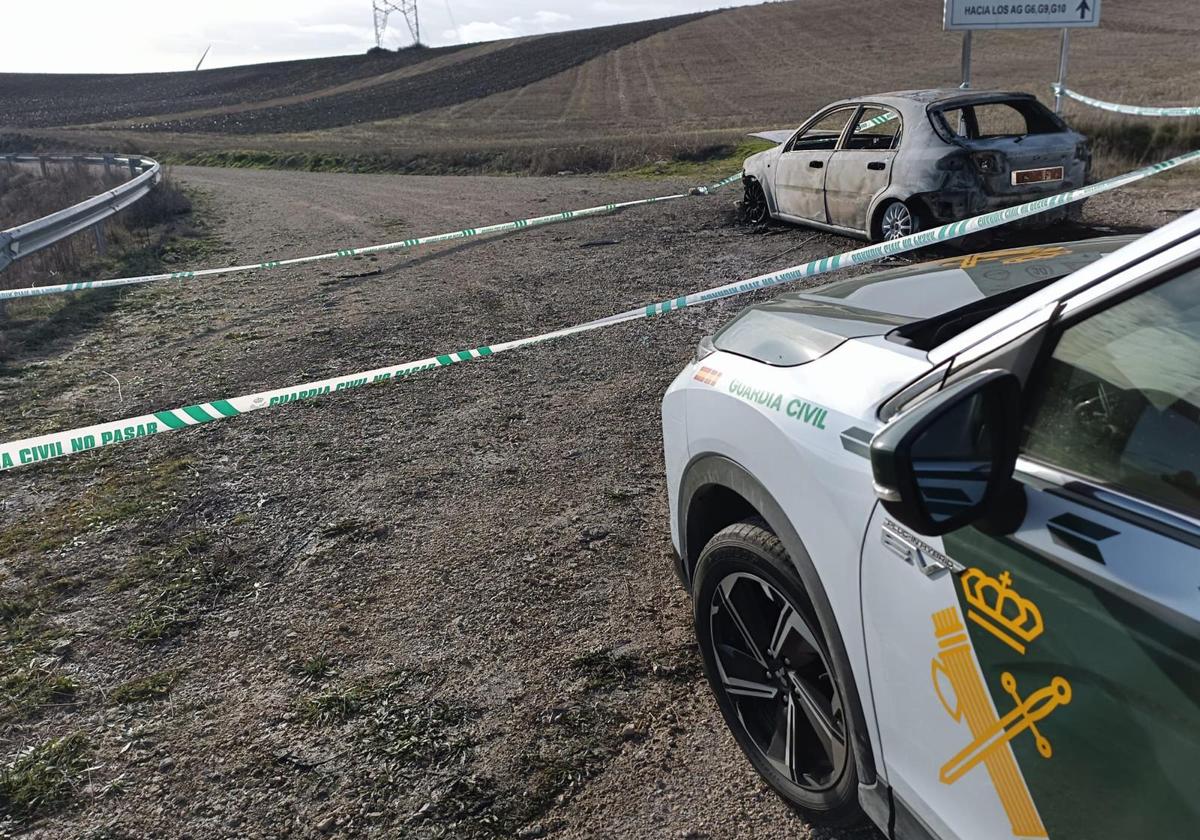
(940, 526)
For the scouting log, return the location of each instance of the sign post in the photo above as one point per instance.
(968, 15)
(966, 60)
(1062, 70)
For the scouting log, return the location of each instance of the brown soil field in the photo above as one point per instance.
(685, 88)
(322, 93)
(30, 99)
(440, 608)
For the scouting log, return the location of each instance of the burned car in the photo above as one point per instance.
(888, 165)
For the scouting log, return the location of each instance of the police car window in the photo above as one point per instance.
(1120, 400)
(824, 133)
(875, 128)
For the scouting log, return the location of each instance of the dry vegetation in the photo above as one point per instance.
(154, 232)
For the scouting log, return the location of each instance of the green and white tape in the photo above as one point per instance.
(1132, 110)
(59, 444)
(343, 253)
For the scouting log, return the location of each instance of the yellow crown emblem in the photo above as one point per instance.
(998, 609)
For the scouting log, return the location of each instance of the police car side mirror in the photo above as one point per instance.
(949, 461)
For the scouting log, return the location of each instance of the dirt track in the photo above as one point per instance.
(480, 554)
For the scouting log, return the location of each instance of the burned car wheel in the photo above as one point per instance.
(769, 666)
(754, 205)
(896, 220)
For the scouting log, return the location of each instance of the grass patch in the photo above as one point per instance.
(144, 689)
(41, 779)
(114, 499)
(178, 583)
(29, 677)
(604, 670)
(709, 163)
(314, 669)
(386, 724)
(575, 745)
(684, 154)
(1122, 143)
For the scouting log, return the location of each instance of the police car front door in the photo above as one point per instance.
(1047, 683)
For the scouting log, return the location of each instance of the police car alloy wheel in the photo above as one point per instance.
(769, 667)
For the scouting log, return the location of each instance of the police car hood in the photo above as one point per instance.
(799, 327)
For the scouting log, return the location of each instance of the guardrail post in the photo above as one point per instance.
(108, 162)
(42, 163)
(101, 239)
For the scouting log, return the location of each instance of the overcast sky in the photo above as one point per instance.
(122, 36)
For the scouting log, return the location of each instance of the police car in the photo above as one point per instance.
(940, 528)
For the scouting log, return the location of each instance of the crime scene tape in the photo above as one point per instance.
(59, 444)
(1133, 110)
(405, 244)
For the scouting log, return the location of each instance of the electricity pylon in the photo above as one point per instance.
(408, 8)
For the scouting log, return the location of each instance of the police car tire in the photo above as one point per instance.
(750, 546)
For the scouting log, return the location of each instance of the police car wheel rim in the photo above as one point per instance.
(776, 677)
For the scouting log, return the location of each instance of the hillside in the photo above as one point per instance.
(312, 94)
(593, 99)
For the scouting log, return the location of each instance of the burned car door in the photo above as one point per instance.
(800, 173)
(861, 168)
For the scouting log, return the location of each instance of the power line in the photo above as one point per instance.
(453, 22)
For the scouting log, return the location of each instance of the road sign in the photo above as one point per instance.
(984, 14)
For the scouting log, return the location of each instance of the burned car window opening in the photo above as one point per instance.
(996, 119)
(875, 129)
(823, 135)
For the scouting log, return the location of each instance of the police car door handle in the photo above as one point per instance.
(876, 164)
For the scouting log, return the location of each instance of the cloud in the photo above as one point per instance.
(548, 18)
(537, 23)
(481, 30)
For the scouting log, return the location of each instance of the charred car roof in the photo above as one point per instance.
(937, 97)
(921, 303)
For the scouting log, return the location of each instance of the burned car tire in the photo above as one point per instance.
(754, 204)
(768, 663)
(894, 220)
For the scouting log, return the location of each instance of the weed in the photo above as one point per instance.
(117, 498)
(179, 582)
(154, 687)
(334, 706)
(604, 670)
(41, 779)
(708, 162)
(390, 726)
(314, 669)
(29, 678)
(1120, 143)
(576, 744)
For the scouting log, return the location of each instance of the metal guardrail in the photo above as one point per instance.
(31, 237)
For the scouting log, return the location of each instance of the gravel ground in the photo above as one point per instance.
(441, 608)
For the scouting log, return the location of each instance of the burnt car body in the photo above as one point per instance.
(890, 164)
